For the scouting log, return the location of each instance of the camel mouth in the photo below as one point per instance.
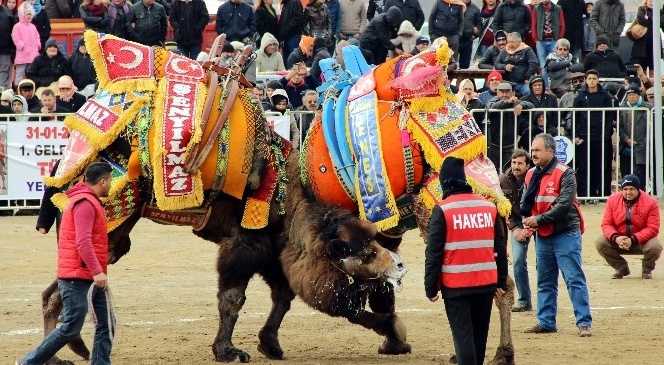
(395, 276)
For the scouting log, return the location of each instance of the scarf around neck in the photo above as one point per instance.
(96, 10)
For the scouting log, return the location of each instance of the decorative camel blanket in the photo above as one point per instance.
(153, 101)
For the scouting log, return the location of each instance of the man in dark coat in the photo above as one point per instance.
(149, 23)
(592, 137)
(378, 34)
(188, 19)
(512, 16)
(540, 99)
(49, 65)
(573, 11)
(237, 20)
(605, 61)
(608, 19)
(63, 9)
(7, 48)
(446, 20)
(410, 10)
(518, 61)
(41, 22)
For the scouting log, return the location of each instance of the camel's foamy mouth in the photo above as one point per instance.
(395, 276)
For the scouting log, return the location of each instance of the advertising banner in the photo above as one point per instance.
(28, 151)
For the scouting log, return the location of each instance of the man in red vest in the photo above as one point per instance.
(82, 260)
(466, 260)
(550, 209)
(630, 226)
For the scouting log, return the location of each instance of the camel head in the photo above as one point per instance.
(355, 251)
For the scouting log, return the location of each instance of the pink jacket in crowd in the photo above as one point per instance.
(26, 37)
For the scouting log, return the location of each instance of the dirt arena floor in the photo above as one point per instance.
(165, 298)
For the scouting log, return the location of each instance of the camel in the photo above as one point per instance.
(319, 251)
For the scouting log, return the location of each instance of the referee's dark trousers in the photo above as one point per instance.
(469, 317)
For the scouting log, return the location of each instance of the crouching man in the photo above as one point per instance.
(630, 227)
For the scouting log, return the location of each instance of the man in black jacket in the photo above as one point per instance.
(446, 20)
(291, 24)
(488, 59)
(378, 34)
(149, 23)
(540, 99)
(512, 16)
(470, 278)
(237, 20)
(188, 19)
(606, 62)
(518, 61)
(7, 48)
(49, 65)
(592, 137)
(573, 11)
(410, 10)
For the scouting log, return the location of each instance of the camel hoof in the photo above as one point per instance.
(231, 354)
(78, 347)
(269, 346)
(504, 356)
(453, 359)
(394, 347)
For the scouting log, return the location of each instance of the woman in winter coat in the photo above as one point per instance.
(26, 39)
(486, 13)
(94, 15)
(557, 66)
(266, 19)
(117, 12)
(304, 53)
(317, 21)
(642, 48)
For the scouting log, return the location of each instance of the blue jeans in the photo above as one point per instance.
(75, 307)
(544, 48)
(190, 50)
(520, 265)
(524, 89)
(562, 252)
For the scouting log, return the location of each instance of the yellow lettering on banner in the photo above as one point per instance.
(366, 163)
(370, 185)
(361, 130)
(364, 146)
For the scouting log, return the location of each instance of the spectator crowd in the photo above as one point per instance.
(542, 55)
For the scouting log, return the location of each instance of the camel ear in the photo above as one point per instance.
(338, 248)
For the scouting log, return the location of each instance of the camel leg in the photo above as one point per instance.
(282, 296)
(240, 257)
(381, 301)
(51, 308)
(388, 325)
(505, 350)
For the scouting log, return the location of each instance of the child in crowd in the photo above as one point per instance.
(26, 39)
(296, 82)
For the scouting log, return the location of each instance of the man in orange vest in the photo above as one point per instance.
(82, 260)
(549, 208)
(466, 260)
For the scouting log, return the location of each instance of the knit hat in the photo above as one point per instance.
(452, 174)
(7, 95)
(306, 45)
(494, 75)
(650, 92)
(65, 82)
(633, 88)
(422, 40)
(51, 42)
(602, 40)
(274, 85)
(630, 180)
(500, 36)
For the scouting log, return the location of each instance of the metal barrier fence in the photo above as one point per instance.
(599, 137)
(598, 160)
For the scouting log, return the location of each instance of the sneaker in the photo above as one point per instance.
(646, 275)
(539, 329)
(585, 331)
(522, 307)
(619, 274)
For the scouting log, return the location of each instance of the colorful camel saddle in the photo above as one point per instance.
(153, 100)
(387, 129)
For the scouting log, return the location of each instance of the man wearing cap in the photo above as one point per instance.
(421, 45)
(630, 227)
(493, 80)
(488, 59)
(592, 138)
(504, 124)
(469, 278)
(26, 88)
(633, 135)
(605, 60)
(518, 61)
(567, 100)
(549, 209)
(540, 99)
(608, 20)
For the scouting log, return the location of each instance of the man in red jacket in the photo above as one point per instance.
(630, 226)
(82, 260)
